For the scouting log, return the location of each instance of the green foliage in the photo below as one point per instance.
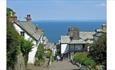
(13, 42)
(98, 50)
(9, 12)
(89, 62)
(82, 58)
(49, 56)
(25, 47)
(49, 53)
(40, 55)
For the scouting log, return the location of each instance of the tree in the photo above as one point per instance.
(98, 50)
(49, 55)
(13, 42)
(9, 12)
(40, 55)
(25, 46)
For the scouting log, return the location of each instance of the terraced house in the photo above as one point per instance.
(30, 32)
(75, 41)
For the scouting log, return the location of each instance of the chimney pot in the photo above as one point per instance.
(28, 18)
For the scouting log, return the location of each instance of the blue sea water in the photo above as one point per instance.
(54, 29)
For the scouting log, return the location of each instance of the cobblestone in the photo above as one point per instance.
(61, 65)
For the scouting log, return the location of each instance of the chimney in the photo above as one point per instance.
(73, 33)
(28, 18)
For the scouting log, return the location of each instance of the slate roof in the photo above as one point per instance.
(65, 39)
(86, 35)
(30, 29)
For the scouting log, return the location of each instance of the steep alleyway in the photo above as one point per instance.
(61, 65)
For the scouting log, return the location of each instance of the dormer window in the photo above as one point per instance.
(22, 33)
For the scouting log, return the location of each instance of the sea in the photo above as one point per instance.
(54, 29)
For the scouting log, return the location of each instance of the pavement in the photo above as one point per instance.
(60, 65)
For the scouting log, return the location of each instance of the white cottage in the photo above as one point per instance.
(64, 44)
(75, 41)
(69, 47)
(30, 32)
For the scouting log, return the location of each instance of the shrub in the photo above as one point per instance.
(40, 55)
(13, 42)
(25, 47)
(98, 50)
(49, 53)
(82, 58)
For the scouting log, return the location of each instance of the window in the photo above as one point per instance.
(22, 33)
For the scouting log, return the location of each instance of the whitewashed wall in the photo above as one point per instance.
(18, 29)
(64, 48)
(31, 56)
(54, 51)
(26, 36)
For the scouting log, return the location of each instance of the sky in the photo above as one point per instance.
(59, 9)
